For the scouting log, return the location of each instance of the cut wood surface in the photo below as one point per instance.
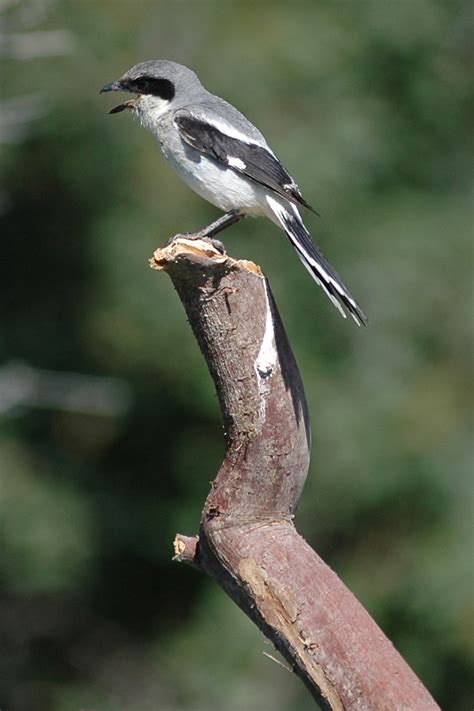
(247, 540)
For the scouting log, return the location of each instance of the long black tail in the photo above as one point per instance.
(315, 262)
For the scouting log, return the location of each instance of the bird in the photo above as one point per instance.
(224, 158)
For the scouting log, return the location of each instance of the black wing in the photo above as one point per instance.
(250, 159)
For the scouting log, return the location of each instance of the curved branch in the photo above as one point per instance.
(247, 540)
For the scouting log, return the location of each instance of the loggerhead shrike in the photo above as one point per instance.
(226, 160)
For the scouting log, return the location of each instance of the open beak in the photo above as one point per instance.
(118, 86)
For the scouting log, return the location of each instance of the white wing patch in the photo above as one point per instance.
(236, 163)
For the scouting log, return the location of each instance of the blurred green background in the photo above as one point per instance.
(110, 429)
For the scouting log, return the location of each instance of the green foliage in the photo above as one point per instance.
(368, 105)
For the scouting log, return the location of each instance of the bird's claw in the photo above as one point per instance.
(184, 235)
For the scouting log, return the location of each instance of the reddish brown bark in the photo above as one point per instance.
(247, 540)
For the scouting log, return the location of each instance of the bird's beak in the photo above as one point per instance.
(112, 86)
(118, 86)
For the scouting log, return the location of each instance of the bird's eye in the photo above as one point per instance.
(141, 83)
(162, 88)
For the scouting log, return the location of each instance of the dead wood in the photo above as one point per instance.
(247, 541)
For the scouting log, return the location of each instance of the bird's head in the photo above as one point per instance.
(156, 84)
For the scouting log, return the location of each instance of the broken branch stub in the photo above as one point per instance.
(247, 540)
(232, 313)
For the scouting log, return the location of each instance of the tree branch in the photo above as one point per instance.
(247, 540)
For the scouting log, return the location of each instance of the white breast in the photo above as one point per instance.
(219, 185)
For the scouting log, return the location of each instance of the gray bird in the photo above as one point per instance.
(225, 159)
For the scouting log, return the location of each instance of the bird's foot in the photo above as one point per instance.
(216, 243)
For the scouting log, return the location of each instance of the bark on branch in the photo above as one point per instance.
(247, 540)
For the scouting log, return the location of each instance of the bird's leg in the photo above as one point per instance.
(228, 219)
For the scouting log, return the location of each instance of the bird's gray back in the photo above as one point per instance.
(221, 112)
